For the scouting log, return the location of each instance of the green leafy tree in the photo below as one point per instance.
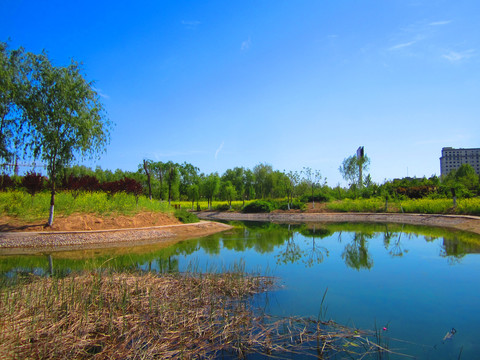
(236, 176)
(210, 187)
(188, 177)
(230, 193)
(159, 172)
(263, 180)
(193, 193)
(292, 178)
(172, 180)
(67, 117)
(148, 172)
(352, 168)
(249, 181)
(466, 176)
(312, 178)
(16, 133)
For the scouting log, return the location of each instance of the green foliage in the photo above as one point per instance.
(350, 169)
(294, 205)
(418, 206)
(258, 206)
(317, 197)
(468, 206)
(49, 112)
(186, 217)
(358, 205)
(427, 206)
(15, 76)
(222, 207)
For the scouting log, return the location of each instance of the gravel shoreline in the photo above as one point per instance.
(457, 222)
(34, 242)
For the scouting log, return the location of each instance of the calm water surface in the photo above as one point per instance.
(417, 282)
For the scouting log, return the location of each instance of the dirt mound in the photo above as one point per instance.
(81, 222)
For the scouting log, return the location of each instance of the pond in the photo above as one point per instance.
(417, 285)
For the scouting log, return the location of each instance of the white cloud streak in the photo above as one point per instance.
(440, 23)
(219, 149)
(455, 56)
(403, 45)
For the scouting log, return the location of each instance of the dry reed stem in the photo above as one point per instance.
(145, 316)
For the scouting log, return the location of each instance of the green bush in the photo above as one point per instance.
(295, 205)
(186, 217)
(318, 197)
(222, 207)
(258, 206)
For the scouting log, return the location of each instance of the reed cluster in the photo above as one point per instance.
(144, 316)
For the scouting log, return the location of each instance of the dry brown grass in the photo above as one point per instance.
(144, 316)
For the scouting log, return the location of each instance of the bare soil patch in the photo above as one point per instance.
(88, 222)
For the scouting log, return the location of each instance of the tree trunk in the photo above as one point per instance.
(145, 166)
(313, 197)
(52, 207)
(52, 198)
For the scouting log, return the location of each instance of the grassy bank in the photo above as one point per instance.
(30, 208)
(419, 206)
(145, 316)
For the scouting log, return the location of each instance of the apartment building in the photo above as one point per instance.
(452, 159)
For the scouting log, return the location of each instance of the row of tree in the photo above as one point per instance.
(172, 181)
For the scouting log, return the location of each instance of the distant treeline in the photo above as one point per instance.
(184, 182)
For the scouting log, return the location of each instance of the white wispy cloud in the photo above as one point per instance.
(455, 56)
(246, 45)
(100, 93)
(219, 149)
(440, 23)
(402, 45)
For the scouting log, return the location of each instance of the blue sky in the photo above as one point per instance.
(221, 84)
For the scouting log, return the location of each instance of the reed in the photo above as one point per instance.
(132, 315)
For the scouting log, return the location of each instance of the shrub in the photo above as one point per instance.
(6, 182)
(186, 217)
(295, 205)
(33, 183)
(258, 206)
(82, 183)
(222, 207)
(318, 197)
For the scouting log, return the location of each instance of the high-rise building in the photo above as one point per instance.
(452, 159)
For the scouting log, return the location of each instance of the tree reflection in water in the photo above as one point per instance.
(316, 253)
(294, 243)
(356, 253)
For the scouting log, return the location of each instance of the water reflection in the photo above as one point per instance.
(289, 243)
(356, 253)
